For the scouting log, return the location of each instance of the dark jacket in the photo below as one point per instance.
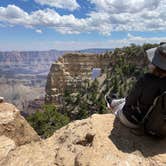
(141, 97)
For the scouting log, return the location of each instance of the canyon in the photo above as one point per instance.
(23, 75)
(27, 62)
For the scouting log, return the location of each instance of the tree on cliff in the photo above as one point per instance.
(46, 122)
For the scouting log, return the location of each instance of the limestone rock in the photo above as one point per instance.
(14, 126)
(6, 145)
(97, 141)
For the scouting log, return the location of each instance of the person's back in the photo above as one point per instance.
(142, 96)
(132, 109)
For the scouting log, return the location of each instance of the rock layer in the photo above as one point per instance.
(98, 140)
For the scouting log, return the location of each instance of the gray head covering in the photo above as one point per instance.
(157, 56)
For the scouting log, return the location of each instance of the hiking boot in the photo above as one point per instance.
(1, 99)
(109, 98)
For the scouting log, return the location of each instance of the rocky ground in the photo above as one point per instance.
(98, 140)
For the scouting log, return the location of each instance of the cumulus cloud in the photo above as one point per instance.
(12, 12)
(48, 17)
(64, 4)
(66, 24)
(121, 6)
(110, 15)
(133, 15)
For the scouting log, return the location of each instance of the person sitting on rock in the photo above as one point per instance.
(132, 109)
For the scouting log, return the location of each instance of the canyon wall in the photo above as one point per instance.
(27, 62)
(23, 75)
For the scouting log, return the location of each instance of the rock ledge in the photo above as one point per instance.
(98, 140)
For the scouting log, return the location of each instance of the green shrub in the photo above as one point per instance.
(46, 122)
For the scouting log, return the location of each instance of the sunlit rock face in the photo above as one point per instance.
(15, 127)
(70, 70)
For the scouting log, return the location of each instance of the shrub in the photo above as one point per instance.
(46, 122)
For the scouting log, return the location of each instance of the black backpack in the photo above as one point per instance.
(155, 120)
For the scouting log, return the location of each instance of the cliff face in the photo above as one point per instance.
(70, 70)
(19, 57)
(23, 75)
(98, 140)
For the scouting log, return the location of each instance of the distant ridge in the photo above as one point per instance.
(59, 52)
(96, 50)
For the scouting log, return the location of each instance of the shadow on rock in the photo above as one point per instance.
(128, 142)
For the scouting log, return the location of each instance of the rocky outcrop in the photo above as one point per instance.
(70, 70)
(14, 130)
(98, 140)
(14, 126)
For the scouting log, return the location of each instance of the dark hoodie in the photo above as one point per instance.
(142, 96)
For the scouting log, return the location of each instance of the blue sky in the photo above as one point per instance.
(79, 24)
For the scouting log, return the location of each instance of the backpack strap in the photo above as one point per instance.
(151, 108)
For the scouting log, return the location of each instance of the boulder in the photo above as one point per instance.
(14, 126)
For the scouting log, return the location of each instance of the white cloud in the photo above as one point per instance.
(133, 15)
(66, 24)
(39, 31)
(64, 4)
(131, 6)
(110, 15)
(12, 12)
